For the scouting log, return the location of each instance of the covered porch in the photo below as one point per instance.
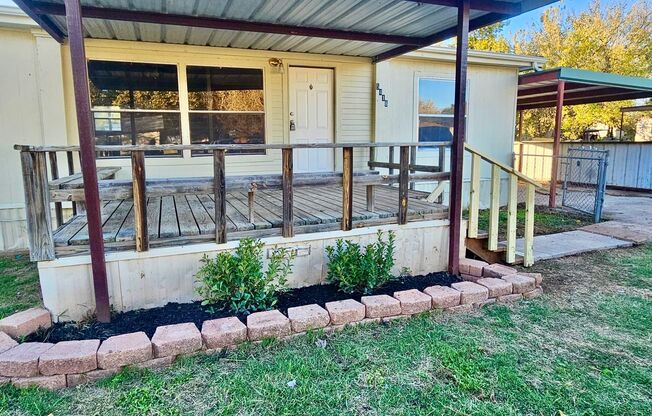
(221, 207)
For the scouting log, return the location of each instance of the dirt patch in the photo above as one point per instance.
(148, 320)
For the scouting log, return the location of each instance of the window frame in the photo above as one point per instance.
(418, 77)
(184, 107)
(179, 154)
(184, 68)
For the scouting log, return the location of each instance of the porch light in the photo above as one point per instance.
(277, 64)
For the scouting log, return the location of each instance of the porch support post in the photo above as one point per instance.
(87, 153)
(552, 199)
(457, 148)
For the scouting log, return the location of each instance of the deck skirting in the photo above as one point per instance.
(162, 275)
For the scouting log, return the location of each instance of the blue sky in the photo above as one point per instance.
(526, 19)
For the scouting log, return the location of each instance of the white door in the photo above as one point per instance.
(311, 117)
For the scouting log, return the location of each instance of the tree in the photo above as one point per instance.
(615, 39)
(490, 38)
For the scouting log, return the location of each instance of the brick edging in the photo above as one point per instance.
(70, 363)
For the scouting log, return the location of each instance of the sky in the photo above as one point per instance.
(525, 20)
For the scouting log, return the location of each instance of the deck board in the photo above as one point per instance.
(191, 217)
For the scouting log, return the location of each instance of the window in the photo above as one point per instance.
(226, 106)
(436, 108)
(135, 103)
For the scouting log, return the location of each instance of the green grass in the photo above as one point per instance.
(546, 221)
(19, 288)
(585, 348)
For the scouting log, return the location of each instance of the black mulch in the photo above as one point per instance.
(148, 320)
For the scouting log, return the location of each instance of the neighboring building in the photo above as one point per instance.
(37, 106)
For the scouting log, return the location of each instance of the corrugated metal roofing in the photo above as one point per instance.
(387, 17)
(539, 89)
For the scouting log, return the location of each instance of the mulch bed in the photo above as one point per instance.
(148, 320)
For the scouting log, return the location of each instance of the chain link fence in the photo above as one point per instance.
(581, 178)
(583, 185)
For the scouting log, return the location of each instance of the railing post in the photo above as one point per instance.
(288, 197)
(251, 196)
(219, 184)
(403, 180)
(528, 250)
(494, 208)
(37, 206)
(511, 218)
(474, 200)
(370, 188)
(413, 161)
(391, 159)
(71, 171)
(347, 188)
(54, 174)
(140, 199)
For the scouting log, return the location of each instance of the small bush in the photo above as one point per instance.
(237, 278)
(354, 269)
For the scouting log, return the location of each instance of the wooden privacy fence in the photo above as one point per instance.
(629, 163)
(494, 208)
(40, 192)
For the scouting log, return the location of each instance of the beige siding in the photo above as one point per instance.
(353, 95)
(491, 108)
(31, 111)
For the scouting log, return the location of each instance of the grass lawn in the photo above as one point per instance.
(19, 289)
(546, 221)
(585, 348)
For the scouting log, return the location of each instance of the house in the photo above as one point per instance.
(314, 100)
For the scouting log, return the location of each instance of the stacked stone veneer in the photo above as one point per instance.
(71, 363)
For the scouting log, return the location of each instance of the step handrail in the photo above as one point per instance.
(513, 177)
(503, 167)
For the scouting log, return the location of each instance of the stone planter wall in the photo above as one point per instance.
(70, 363)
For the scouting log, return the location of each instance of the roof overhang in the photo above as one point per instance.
(447, 54)
(539, 89)
(378, 29)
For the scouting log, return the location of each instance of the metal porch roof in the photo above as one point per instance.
(379, 29)
(539, 89)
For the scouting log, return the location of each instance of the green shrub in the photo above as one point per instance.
(354, 269)
(238, 279)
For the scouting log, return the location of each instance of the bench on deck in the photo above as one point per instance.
(115, 189)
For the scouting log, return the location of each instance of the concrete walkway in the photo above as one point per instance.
(570, 243)
(628, 221)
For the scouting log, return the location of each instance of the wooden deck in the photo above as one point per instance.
(181, 219)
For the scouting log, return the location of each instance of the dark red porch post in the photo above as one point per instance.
(87, 153)
(457, 149)
(552, 199)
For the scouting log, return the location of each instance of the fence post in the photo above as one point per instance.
(37, 206)
(347, 188)
(219, 182)
(403, 180)
(288, 203)
(138, 177)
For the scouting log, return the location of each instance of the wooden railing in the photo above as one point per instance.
(513, 177)
(39, 194)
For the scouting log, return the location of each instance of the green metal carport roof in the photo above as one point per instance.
(539, 89)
